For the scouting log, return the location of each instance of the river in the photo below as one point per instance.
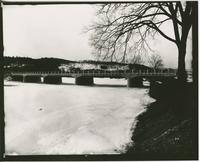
(70, 119)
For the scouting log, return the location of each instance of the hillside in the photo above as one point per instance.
(30, 64)
(53, 64)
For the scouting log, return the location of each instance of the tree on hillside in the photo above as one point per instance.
(122, 27)
(155, 61)
(136, 59)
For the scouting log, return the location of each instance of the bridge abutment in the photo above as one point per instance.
(84, 80)
(134, 82)
(52, 79)
(32, 79)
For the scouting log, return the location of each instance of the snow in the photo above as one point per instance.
(70, 119)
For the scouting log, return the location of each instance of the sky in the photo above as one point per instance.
(57, 31)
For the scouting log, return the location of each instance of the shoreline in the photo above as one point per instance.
(168, 129)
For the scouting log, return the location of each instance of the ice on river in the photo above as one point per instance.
(70, 119)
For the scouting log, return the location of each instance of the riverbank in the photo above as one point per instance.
(168, 130)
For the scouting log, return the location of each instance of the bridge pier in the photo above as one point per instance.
(32, 79)
(84, 80)
(52, 79)
(17, 78)
(134, 82)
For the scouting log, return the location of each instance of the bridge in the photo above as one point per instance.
(134, 78)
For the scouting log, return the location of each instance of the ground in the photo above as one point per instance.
(168, 130)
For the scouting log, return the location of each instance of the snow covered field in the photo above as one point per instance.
(70, 119)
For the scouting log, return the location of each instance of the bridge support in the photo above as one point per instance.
(17, 78)
(52, 79)
(134, 82)
(32, 79)
(84, 80)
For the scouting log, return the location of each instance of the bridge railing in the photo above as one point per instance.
(164, 72)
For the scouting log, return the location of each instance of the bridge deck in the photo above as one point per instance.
(99, 74)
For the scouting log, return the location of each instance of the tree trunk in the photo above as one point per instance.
(182, 75)
(195, 44)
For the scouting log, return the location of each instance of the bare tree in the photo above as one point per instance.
(128, 26)
(155, 61)
(136, 59)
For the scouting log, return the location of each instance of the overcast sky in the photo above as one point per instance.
(57, 31)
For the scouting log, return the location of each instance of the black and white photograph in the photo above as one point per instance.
(99, 80)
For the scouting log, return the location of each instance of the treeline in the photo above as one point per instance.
(30, 64)
(130, 66)
(52, 64)
(27, 60)
(102, 62)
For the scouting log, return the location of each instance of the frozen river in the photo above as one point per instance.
(70, 119)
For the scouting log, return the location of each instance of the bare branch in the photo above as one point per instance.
(155, 61)
(126, 27)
